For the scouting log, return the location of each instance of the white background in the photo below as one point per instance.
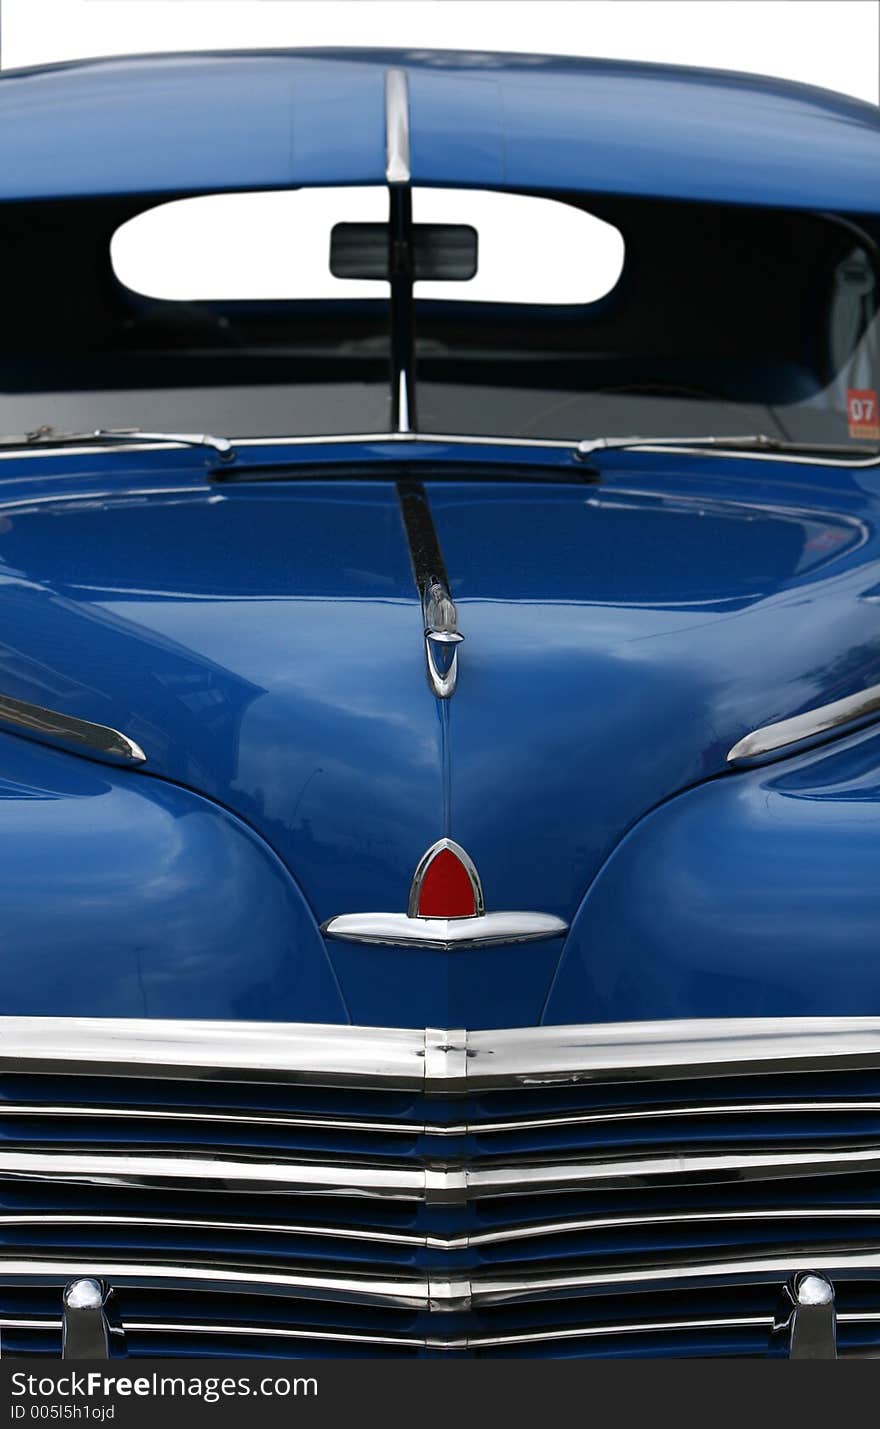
(833, 43)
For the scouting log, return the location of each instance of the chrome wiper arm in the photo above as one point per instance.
(121, 436)
(749, 441)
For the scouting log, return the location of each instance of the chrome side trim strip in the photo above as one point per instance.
(98, 741)
(808, 726)
(324, 1054)
(397, 160)
(398, 930)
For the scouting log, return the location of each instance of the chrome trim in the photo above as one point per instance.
(669, 1218)
(418, 878)
(395, 1182)
(125, 436)
(517, 1289)
(85, 1332)
(435, 439)
(424, 1291)
(267, 1332)
(442, 638)
(450, 1342)
(316, 1122)
(350, 1287)
(806, 1318)
(312, 1053)
(98, 741)
(808, 726)
(398, 930)
(477, 930)
(397, 161)
(669, 1050)
(222, 446)
(432, 1184)
(536, 1230)
(444, 1342)
(761, 446)
(439, 615)
(551, 1177)
(327, 1054)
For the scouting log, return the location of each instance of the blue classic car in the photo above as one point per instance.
(439, 710)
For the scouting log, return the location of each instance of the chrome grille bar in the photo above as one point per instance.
(618, 1116)
(436, 1061)
(668, 1219)
(442, 1342)
(437, 1292)
(432, 1185)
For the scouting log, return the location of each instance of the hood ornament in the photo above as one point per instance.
(442, 639)
(446, 910)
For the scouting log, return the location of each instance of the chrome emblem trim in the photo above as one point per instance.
(424, 863)
(477, 930)
(398, 930)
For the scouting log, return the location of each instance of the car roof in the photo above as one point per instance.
(207, 122)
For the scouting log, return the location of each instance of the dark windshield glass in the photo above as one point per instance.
(725, 320)
(722, 320)
(79, 350)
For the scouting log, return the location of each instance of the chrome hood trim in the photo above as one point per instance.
(97, 741)
(799, 729)
(434, 1060)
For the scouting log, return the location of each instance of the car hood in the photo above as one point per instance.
(263, 644)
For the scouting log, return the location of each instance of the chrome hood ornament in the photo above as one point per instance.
(442, 638)
(446, 910)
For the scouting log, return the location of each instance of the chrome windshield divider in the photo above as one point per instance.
(401, 261)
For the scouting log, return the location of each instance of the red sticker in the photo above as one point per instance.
(862, 412)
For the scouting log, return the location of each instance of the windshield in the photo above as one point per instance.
(709, 319)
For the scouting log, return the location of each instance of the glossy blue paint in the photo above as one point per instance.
(166, 124)
(619, 639)
(126, 897)
(262, 642)
(756, 894)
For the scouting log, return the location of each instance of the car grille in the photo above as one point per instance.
(445, 1203)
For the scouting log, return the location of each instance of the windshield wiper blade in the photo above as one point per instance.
(120, 436)
(752, 441)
